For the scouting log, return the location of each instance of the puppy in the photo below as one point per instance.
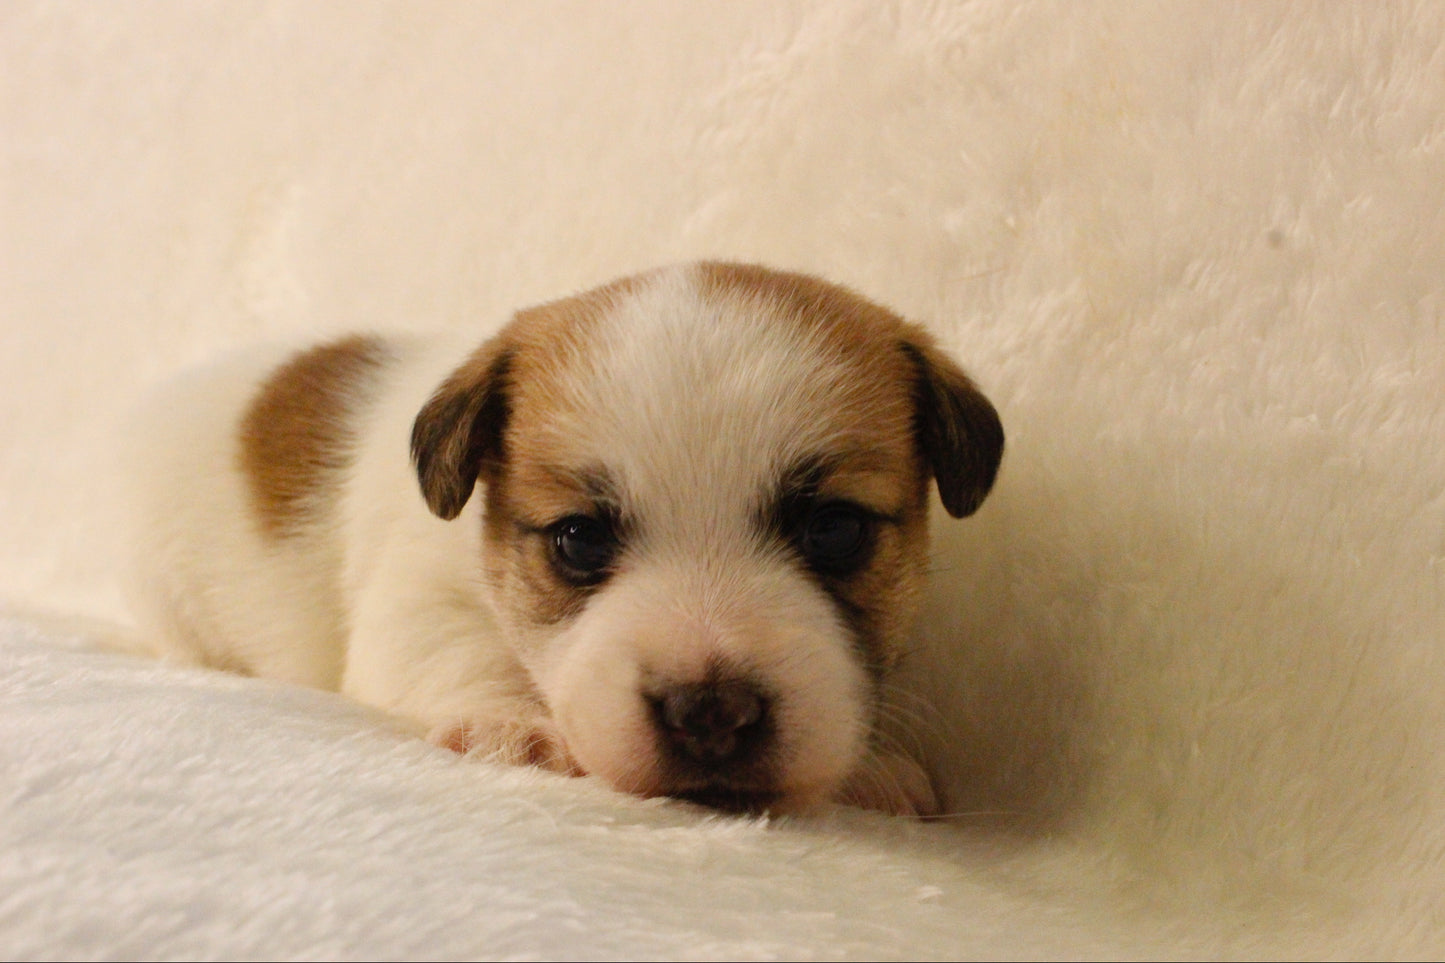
(670, 532)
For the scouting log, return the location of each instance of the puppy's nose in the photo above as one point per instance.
(714, 723)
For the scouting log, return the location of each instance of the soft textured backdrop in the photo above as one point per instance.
(1186, 668)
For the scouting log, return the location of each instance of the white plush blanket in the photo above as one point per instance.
(1183, 677)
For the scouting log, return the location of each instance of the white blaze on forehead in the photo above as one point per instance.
(695, 406)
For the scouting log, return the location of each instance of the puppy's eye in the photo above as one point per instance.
(837, 539)
(582, 548)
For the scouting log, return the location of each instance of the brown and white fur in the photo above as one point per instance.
(670, 532)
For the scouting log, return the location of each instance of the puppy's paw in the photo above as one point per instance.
(528, 740)
(890, 783)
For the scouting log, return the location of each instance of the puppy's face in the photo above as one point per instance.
(705, 518)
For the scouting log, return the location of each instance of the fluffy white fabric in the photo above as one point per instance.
(1186, 667)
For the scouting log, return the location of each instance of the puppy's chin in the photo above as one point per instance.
(748, 698)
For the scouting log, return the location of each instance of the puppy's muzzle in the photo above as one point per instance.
(716, 739)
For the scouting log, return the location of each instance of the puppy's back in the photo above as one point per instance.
(233, 473)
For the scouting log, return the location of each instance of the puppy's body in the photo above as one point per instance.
(670, 532)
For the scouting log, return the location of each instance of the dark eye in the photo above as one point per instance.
(582, 548)
(837, 539)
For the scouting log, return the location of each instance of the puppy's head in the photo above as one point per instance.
(705, 500)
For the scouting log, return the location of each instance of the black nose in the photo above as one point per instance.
(713, 723)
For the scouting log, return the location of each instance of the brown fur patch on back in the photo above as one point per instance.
(297, 435)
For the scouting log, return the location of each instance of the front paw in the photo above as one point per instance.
(890, 783)
(514, 741)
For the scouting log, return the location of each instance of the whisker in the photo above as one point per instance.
(977, 814)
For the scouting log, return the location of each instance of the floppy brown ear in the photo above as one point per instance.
(958, 429)
(460, 428)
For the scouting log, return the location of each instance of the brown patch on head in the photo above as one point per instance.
(460, 435)
(948, 430)
(297, 436)
(469, 431)
(956, 428)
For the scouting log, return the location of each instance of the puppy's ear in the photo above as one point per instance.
(461, 428)
(958, 429)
